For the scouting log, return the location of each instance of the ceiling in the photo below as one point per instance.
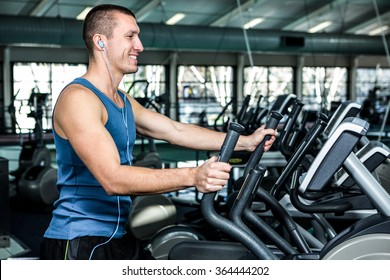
(346, 17)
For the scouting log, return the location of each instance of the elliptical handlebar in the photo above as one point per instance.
(243, 109)
(232, 135)
(241, 210)
(289, 127)
(259, 249)
(255, 157)
(302, 150)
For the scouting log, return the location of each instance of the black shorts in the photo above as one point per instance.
(93, 247)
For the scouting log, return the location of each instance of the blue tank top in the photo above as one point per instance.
(84, 208)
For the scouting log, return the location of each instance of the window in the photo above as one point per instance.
(322, 86)
(148, 84)
(268, 82)
(203, 92)
(36, 89)
(371, 79)
(373, 92)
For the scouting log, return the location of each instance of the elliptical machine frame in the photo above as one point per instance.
(35, 179)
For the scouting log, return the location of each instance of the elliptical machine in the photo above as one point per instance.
(161, 244)
(369, 238)
(35, 179)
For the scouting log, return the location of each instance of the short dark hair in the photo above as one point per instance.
(101, 20)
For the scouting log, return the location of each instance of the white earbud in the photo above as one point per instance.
(101, 44)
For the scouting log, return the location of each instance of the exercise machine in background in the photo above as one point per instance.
(35, 179)
(4, 204)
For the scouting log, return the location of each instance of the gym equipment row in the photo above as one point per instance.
(330, 173)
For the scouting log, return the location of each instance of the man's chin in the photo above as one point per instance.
(132, 70)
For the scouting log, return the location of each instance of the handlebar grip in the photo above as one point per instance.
(289, 127)
(272, 122)
(232, 135)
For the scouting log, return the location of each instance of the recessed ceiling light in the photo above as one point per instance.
(175, 19)
(320, 26)
(378, 30)
(253, 23)
(83, 14)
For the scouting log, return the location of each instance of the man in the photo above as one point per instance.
(95, 126)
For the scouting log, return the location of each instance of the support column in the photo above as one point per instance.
(351, 90)
(298, 79)
(174, 108)
(239, 83)
(7, 94)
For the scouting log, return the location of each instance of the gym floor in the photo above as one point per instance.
(28, 224)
